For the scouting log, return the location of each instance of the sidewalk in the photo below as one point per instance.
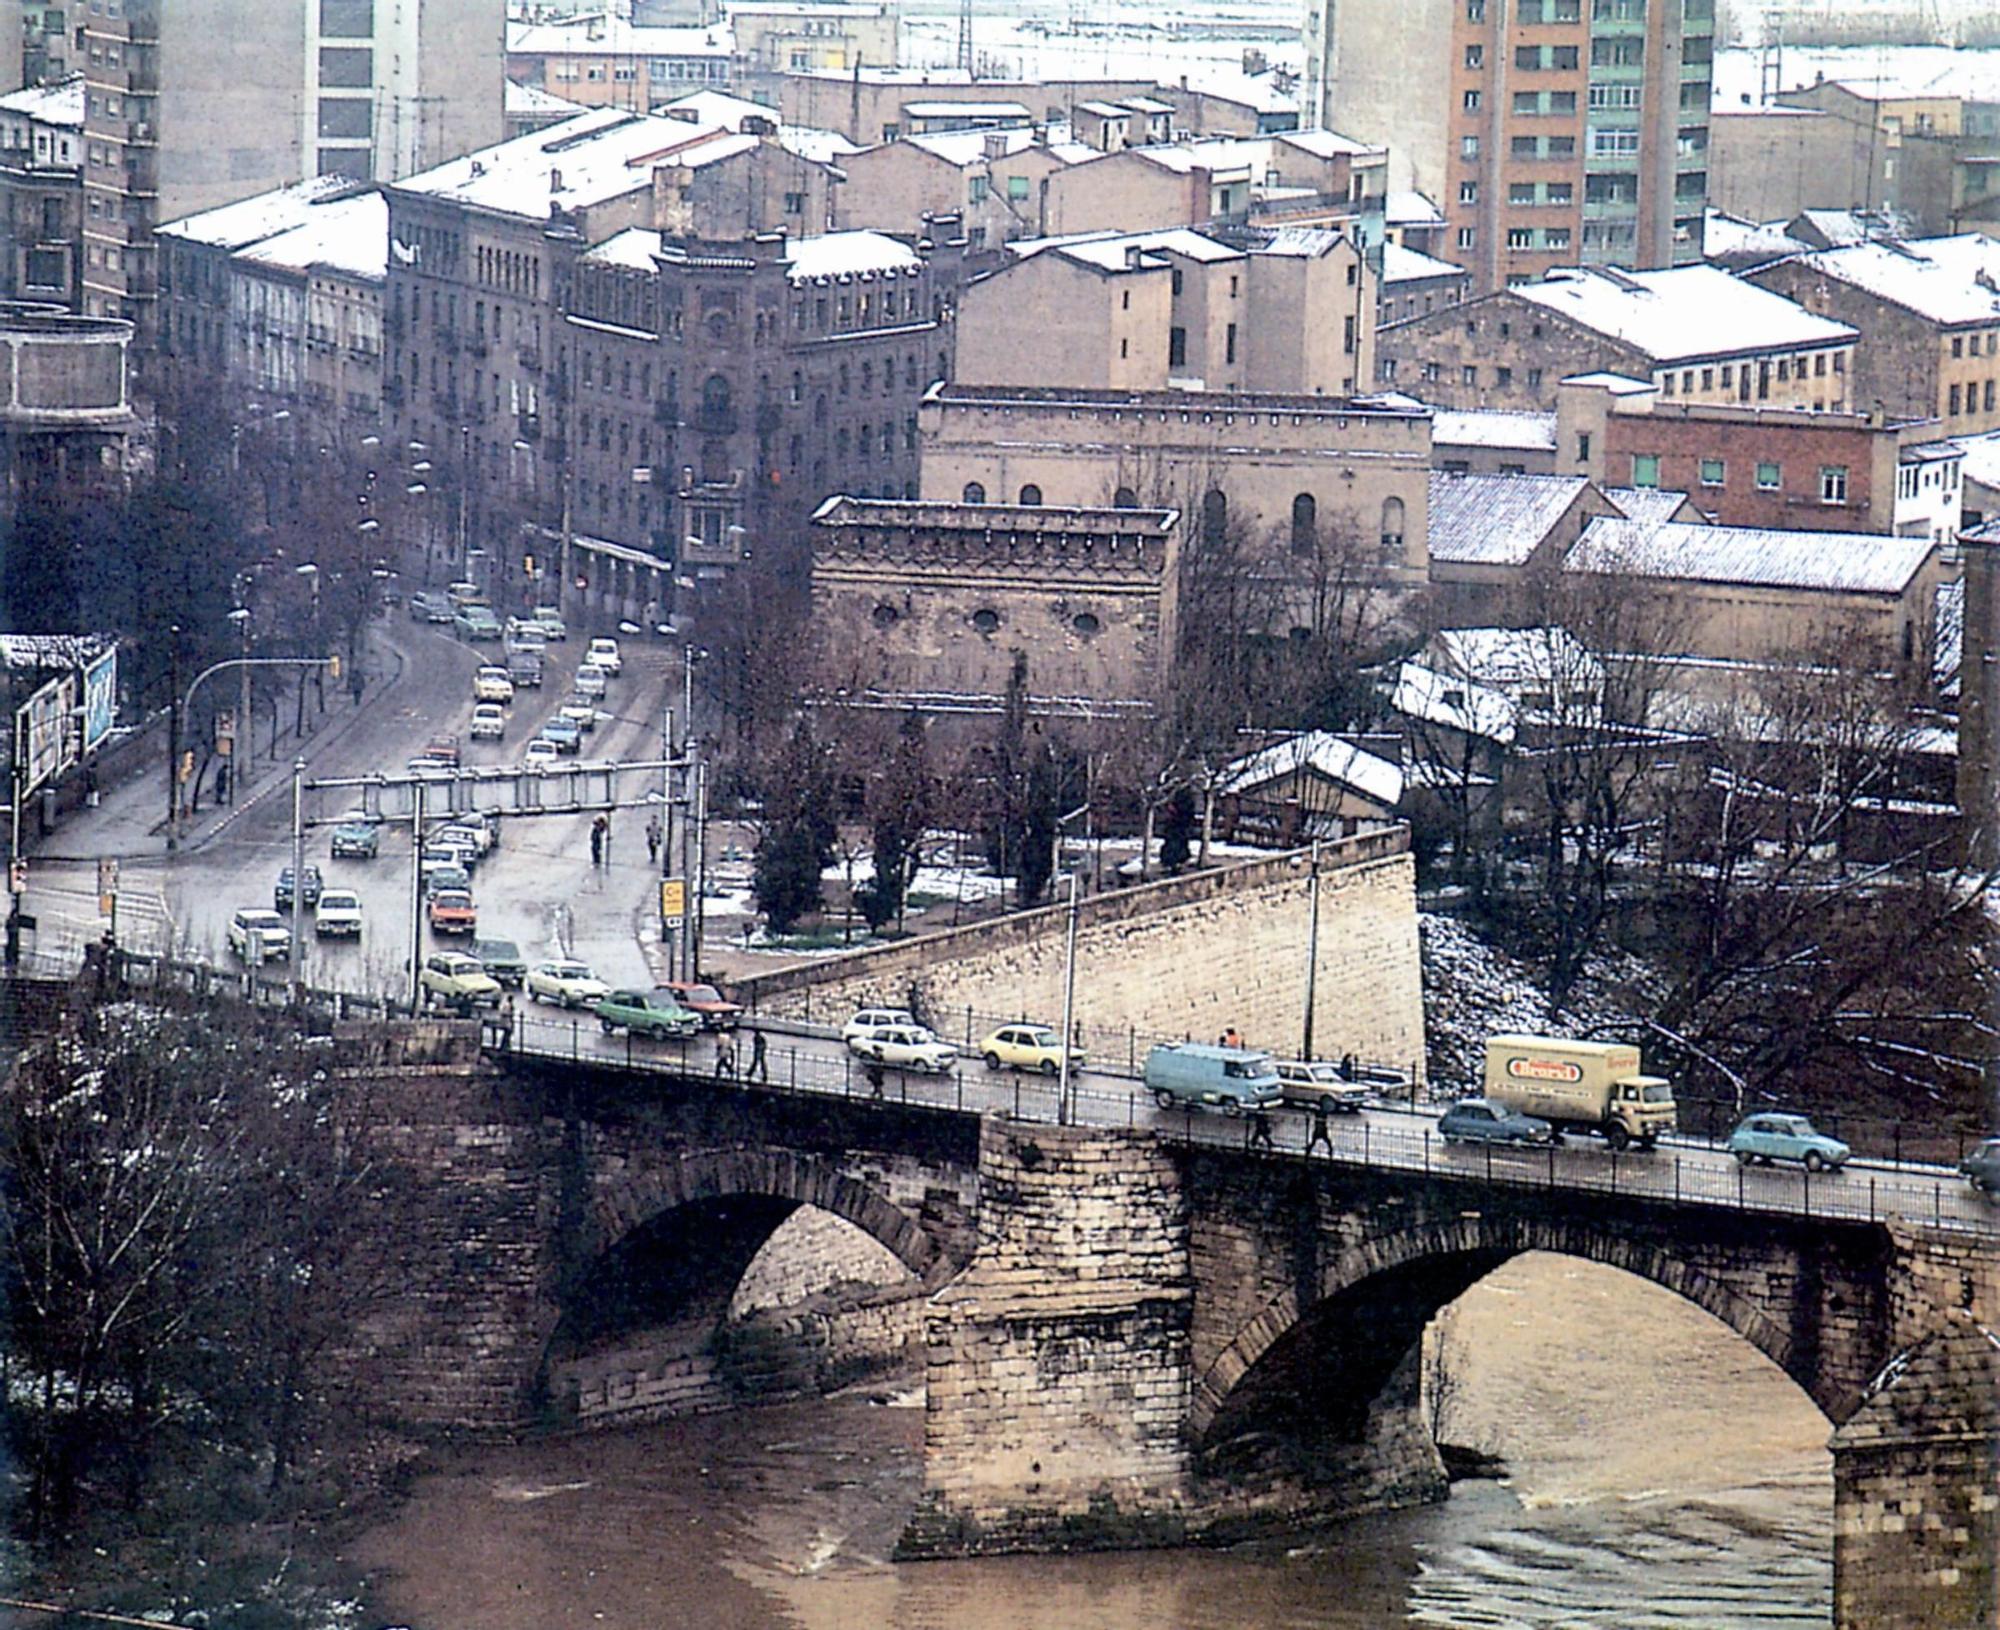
(129, 822)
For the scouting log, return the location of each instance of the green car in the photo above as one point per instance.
(357, 840)
(652, 1013)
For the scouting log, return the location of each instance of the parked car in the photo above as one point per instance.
(905, 1047)
(565, 982)
(874, 1018)
(603, 653)
(1028, 1047)
(503, 960)
(1314, 1083)
(357, 840)
(1231, 1079)
(652, 1013)
(539, 754)
(265, 931)
(281, 894)
(452, 912)
(339, 913)
(706, 1003)
(456, 979)
(489, 722)
(1480, 1120)
(1981, 1168)
(551, 623)
(491, 684)
(1770, 1137)
(476, 623)
(564, 733)
(590, 682)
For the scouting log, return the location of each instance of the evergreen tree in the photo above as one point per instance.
(1177, 830)
(798, 841)
(901, 807)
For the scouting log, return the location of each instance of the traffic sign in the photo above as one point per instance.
(673, 901)
(17, 877)
(107, 885)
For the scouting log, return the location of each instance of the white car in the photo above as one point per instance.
(272, 932)
(565, 983)
(492, 685)
(590, 681)
(461, 841)
(338, 912)
(905, 1047)
(580, 713)
(476, 822)
(549, 621)
(876, 1018)
(541, 755)
(489, 722)
(603, 652)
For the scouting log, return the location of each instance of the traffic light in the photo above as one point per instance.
(333, 666)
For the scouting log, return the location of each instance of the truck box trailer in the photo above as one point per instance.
(1581, 1086)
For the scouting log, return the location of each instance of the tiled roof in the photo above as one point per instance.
(1683, 314)
(1496, 520)
(1757, 557)
(1940, 279)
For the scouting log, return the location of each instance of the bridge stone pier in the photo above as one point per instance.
(1126, 1340)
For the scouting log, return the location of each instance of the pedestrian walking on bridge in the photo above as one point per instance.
(759, 1066)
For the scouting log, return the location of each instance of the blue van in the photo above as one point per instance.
(1231, 1079)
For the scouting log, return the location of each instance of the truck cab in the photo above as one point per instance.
(1581, 1086)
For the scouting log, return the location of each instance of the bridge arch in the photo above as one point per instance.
(1427, 1266)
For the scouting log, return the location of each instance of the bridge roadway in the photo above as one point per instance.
(1682, 1171)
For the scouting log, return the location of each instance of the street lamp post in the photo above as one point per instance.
(239, 745)
(1065, 1110)
(1312, 954)
(298, 946)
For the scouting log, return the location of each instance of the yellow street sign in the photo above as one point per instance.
(673, 900)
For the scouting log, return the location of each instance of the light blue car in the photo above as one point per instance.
(1773, 1137)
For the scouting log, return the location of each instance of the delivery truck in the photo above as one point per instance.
(1580, 1086)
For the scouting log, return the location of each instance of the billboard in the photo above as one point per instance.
(43, 745)
(100, 699)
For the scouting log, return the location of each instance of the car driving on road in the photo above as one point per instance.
(456, 979)
(905, 1047)
(1480, 1120)
(492, 685)
(270, 932)
(1770, 1137)
(357, 838)
(281, 894)
(1315, 1084)
(874, 1018)
(540, 754)
(652, 1013)
(1981, 1168)
(476, 623)
(706, 1002)
(564, 734)
(489, 722)
(580, 712)
(603, 653)
(565, 982)
(1027, 1047)
(590, 682)
(502, 959)
(452, 912)
(338, 914)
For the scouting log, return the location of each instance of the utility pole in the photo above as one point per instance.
(1065, 1110)
(416, 894)
(1312, 954)
(173, 742)
(298, 876)
(699, 881)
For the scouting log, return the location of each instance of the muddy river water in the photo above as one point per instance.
(1661, 1473)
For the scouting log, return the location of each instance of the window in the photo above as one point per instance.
(1472, 100)
(1305, 524)
(1177, 348)
(1468, 192)
(974, 493)
(795, 203)
(1124, 498)
(1556, 237)
(1957, 406)
(1468, 375)
(1527, 103)
(1833, 483)
(1769, 477)
(1229, 343)
(1214, 516)
(1560, 103)
(1031, 494)
(1468, 147)
(1017, 188)
(1525, 56)
(1645, 469)
(1503, 377)
(1520, 237)
(1466, 237)
(1521, 192)
(1475, 56)
(1392, 525)
(1712, 472)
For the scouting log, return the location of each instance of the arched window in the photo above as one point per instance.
(798, 386)
(1124, 498)
(1392, 526)
(1214, 516)
(974, 493)
(1305, 525)
(715, 395)
(1031, 494)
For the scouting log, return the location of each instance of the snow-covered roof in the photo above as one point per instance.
(60, 104)
(1255, 91)
(848, 254)
(1322, 753)
(1727, 235)
(718, 108)
(603, 154)
(1654, 506)
(1405, 208)
(1444, 699)
(1326, 143)
(1617, 384)
(1496, 520)
(1145, 104)
(966, 110)
(519, 100)
(1683, 314)
(1982, 458)
(1494, 427)
(250, 220)
(599, 35)
(1400, 265)
(1548, 658)
(634, 248)
(1886, 72)
(967, 147)
(1943, 280)
(349, 235)
(820, 146)
(1756, 557)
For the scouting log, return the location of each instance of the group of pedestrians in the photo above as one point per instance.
(725, 1059)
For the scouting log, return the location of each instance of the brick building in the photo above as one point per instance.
(1697, 334)
(1774, 468)
(1929, 314)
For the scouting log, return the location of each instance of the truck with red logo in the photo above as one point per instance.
(1580, 1086)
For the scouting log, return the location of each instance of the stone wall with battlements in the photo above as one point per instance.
(1186, 957)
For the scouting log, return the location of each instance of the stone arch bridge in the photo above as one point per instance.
(1129, 1339)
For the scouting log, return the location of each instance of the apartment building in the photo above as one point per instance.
(1929, 314)
(1290, 311)
(1413, 284)
(280, 298)
(996, 179)
(876, 102)
(1694, 333)
(1549, 131)
(41, 193)
(1774, 468)
(190, 108)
